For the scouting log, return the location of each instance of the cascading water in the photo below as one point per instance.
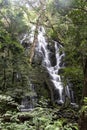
(28, 102)
(52, 70)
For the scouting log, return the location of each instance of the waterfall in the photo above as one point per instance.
(29, 101)
(53, 70)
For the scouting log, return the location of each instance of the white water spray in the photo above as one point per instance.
(52, 70)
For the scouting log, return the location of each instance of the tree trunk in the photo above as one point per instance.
(34, 42)
(4, 78)
(13, 77)
(84, 94)
(38, 23)
(83, 117)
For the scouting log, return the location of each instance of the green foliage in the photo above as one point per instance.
(66, 22)
(84, 107)
(37, 119)
(7, 102)
(71, 127)
(13, 62)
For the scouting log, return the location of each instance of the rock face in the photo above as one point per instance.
(52, 57)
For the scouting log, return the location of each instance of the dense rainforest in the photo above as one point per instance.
(43, 65)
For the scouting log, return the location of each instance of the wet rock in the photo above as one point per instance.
(75, 106)
(24, 117)
(61, 71)
(58, 102)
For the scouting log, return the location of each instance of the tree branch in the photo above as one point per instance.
(5, 18)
